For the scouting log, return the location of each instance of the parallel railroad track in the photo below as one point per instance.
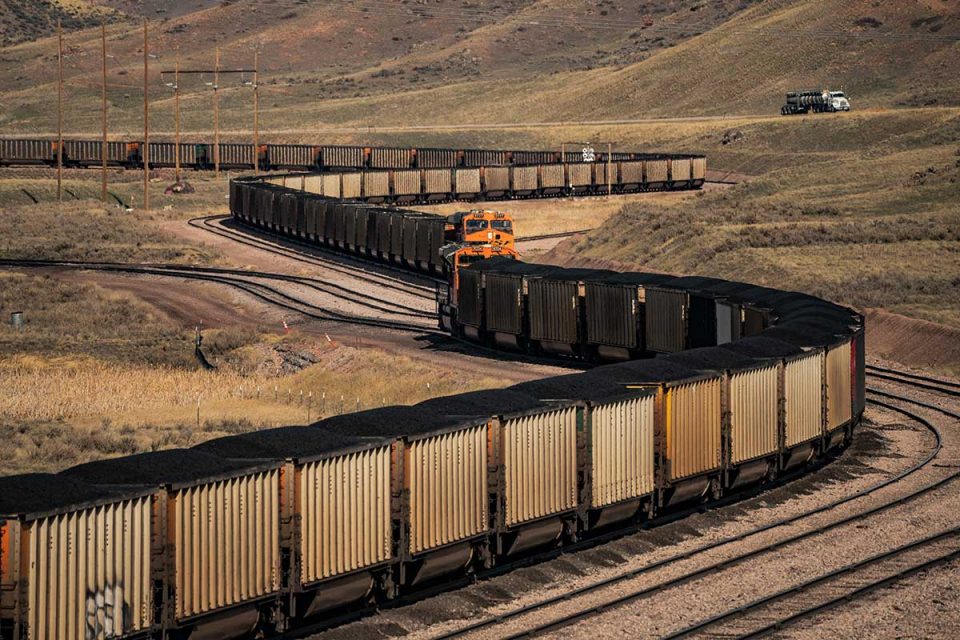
(342, 263)
(928, 383)
(773, 612)
(619, 580)
(239, 279)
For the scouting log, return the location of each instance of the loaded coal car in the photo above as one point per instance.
(219, 522)
(496, 297)
(534, 450)
(337, 513)
(688, 414)
(618, 454)
(557, 311)
(749, 396)
(616, 313)
(440, 487)
(78, 561)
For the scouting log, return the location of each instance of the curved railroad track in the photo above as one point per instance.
(240, 280)
(358, 268)
(618, 583)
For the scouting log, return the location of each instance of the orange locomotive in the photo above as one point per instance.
(481, 226)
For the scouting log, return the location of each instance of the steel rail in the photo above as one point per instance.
(258, 290)
(915, 376)
(852, 568)
(634, 573)
(345, 293)
(329, 263)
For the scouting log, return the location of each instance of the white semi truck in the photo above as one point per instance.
(817, 101)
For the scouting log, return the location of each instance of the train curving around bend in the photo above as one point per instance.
(257, 532)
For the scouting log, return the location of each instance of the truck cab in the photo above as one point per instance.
(837, 101)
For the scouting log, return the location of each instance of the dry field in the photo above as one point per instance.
(96, 374)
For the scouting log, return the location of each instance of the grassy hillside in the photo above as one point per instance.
(23, 21)
(860, 210)
(452, 62)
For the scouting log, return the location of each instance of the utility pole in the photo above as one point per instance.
(609, 165)
(59, 111)
(256, 111)
(146, 120)
(216, 115)
(176, 100)
(103, 96)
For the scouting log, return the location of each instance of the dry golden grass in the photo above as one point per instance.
(58, 412)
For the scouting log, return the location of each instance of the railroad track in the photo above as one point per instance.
(548, 236)
(359, 269)
(241, 280)
(928, 383)
(618, 583)
(771, 613)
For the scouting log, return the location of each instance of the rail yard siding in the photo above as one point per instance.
(227, 540)
(803, 398)
(753, 414)
(622, 450)
(666, 320)
(344, 507)
(656, 170)
(540, 465)
(447, 479)
(693, 428)
(87, 573)
(839, 398)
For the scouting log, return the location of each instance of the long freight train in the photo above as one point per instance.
(397, 175)
(259, 531)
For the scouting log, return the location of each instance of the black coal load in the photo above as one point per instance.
(763, 347)
(483, 404)
(175, 467)
(389, 422)
(661, 369)
(294, 443)
(696, 284)
(802, 334)
(640, 279)
(40, 493)
(712, 359)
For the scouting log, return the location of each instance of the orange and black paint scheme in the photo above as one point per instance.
(481, 226)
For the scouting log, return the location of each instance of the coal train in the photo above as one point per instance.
(256, 532)
(395, 175)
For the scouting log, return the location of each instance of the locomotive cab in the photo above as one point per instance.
(481, 227)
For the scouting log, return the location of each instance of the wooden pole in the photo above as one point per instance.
(59, 111)
(103, 99)
(609, 166)
(146, 120)
(216, 115)
(176, 100)
(256, 111)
